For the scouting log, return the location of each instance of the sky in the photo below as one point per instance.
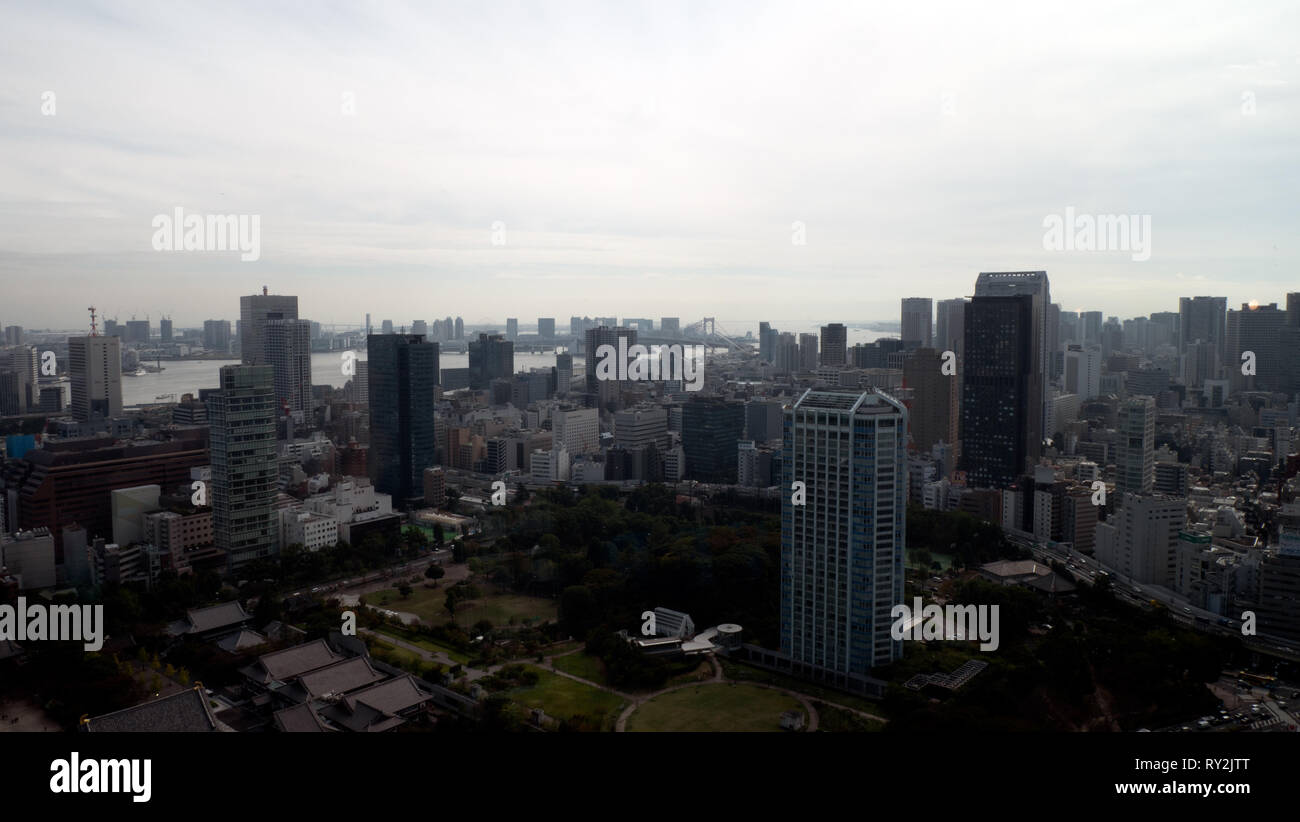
(792, 162)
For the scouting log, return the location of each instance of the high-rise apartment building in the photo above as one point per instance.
(842, 550)
(1204, 319)
(241, 416)
(1135, 456)
(512, 328)
(1259, 330)
(546, 328)
(807, 353)
(288, 352)
(403, 373)
(95, 372)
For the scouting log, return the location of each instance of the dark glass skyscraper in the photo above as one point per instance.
(711, 431)
(1002, 389)
(491, 357)
(403, 374)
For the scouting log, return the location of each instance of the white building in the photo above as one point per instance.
(1140, 540)
(307, 528)
(576, 430)
(29, 555)
(550, 466)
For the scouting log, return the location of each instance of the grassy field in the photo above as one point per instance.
(427, 644)
(715, 708)
(833, 719)
(562, 698)
(400, 657)
(740, 671)
(583, 665)
(429, 605)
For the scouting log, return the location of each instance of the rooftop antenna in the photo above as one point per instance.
(94, 331)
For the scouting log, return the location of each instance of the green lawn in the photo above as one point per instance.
(429, 605)
(833, 720)
(400, 657)
(718, 707)
(732, 669)
(562, 698)
(584, 665)
(427, 644)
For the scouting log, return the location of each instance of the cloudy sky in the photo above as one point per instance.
(641, 159)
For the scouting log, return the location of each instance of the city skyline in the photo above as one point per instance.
(656, 158)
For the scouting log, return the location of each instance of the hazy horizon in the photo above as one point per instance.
(670, 159)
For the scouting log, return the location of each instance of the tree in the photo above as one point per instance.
(439, 536)
(404, 590)
(435, 572)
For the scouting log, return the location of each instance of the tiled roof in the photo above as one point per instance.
(212, 618)
(241, 641)
(292, 662)
(340, 678)
(299, 719)
(186, 711)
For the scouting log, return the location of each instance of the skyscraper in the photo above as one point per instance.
(933, 410)
(918, 313)
(95, 371)
(563, 373)
(607, 391)
(491, 357)
(255, 311)
(1259, 330)
(711, 428)
(216, 335)
(949, 325)
(835, 344)
(1001, 391)
(460, 329)
(1035, 284)
(288, 352)
(241, 416)
(403, 371)
(1204, 319)
(546, 328)
(807, 353)
(1135, 459)
(165, 329)
(842, 550)
(512, 328)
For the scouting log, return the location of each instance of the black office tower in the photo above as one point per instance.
(1002, 391)
(491, 357)
(403, 373)
(711, 431)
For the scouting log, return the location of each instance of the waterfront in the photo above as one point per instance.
(181, 377)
